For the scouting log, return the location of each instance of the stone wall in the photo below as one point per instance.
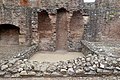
(16, 16)
(25, 14)
(108, 19)
(90, 28)
(52, 43)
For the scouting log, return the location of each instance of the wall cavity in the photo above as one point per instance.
(9, 34)
(76, 30)
(61, 25)
(45, 30)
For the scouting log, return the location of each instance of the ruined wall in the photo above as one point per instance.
(25, 14)
(56, 41)
(16, 16)
(90, 27)
(108, 19)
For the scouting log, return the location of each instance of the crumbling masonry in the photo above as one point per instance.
(50, 24)
(71, 25)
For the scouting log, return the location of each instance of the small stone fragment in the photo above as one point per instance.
(3, 67)
(23, 73)
(2, 73)
(71, 71)
(63, 71)
(57, 74)
(31, 73)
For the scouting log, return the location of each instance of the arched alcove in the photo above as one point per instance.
(76, 30)
(9, 34)
(76, 23)
(44, 30)
(61, 26)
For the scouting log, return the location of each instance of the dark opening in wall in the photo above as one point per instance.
(45, 29)
(61, 25)
(77, 24)
(76, 29)
(9, 34)
(44, 24)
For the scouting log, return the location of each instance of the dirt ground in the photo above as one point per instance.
(7, 52)
(59, 55)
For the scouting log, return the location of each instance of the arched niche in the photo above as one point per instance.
(76, 30)
(61, 29)
(9, 34)
(44, 30)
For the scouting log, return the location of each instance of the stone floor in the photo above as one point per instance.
(59, 55)
(104, 48)
(8, 51)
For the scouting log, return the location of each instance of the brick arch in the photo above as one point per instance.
(44, 21)
(9, 34)
(76, 21)
(21, 29)
(9, 26)
(62, 10)
(45, 30)
(76, 30)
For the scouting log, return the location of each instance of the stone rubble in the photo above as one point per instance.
(92, 64)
